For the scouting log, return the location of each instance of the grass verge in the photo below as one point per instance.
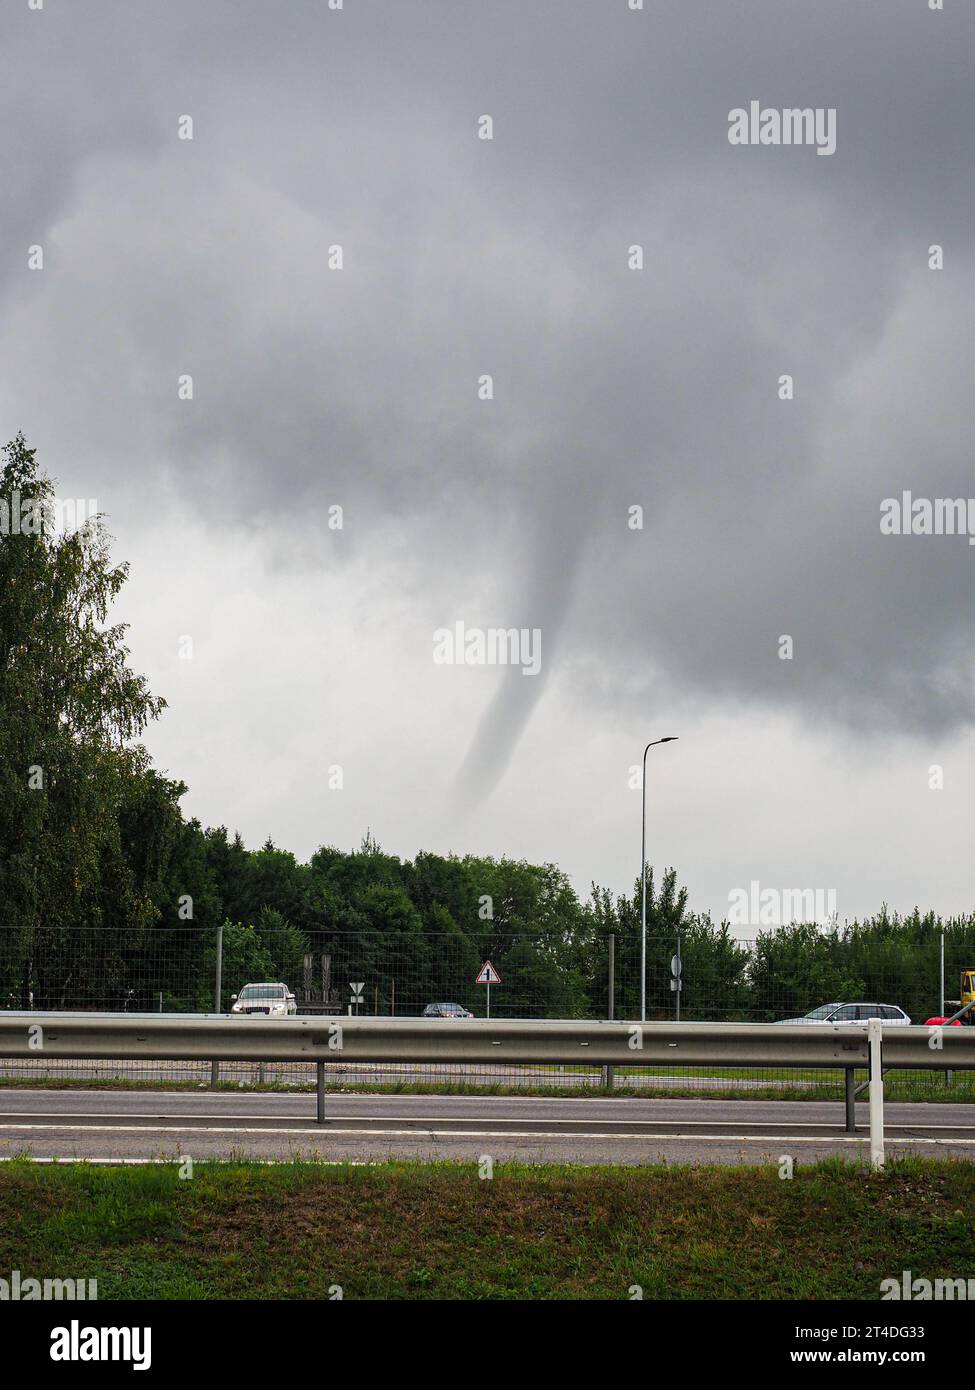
(437, 1231)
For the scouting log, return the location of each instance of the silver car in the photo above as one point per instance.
(852, 1013)
(272, 1000)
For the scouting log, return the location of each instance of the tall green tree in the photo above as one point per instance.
(71, 710)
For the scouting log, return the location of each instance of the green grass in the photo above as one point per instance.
(904, 1086)
(437, 1231)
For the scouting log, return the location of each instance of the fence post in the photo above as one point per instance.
(320, 1090)
(874, 1040)
(949, 1078)
(851, 1101)
(218, 980)
(609, 1073)
(680, 983)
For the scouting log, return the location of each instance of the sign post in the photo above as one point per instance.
(488, 976)
(356, 987)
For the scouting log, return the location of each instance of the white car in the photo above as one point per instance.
(852, 1013)
(271, 1000)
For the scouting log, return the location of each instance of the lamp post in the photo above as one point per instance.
(643, 882)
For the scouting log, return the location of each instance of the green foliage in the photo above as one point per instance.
(245, 958)
(284, 944)
(84, 823)
(798, 967)
(888, 958)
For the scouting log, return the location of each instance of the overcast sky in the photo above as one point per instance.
(614, 388)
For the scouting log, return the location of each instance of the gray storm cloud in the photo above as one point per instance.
(613, 388)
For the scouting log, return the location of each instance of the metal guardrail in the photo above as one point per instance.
(228, 1038)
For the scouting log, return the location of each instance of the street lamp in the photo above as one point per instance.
(643, 883)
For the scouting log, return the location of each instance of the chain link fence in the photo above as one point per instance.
(722, 979)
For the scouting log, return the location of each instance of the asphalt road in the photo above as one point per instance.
(134, 1126)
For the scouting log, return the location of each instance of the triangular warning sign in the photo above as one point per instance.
(488, 975)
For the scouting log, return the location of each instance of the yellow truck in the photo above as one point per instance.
(967, 1000)
(968, 991)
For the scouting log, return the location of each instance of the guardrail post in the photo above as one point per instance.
(874, 1040)
(215, 1066)
(609, 1073)
(851, 1101)
(320, 1088)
